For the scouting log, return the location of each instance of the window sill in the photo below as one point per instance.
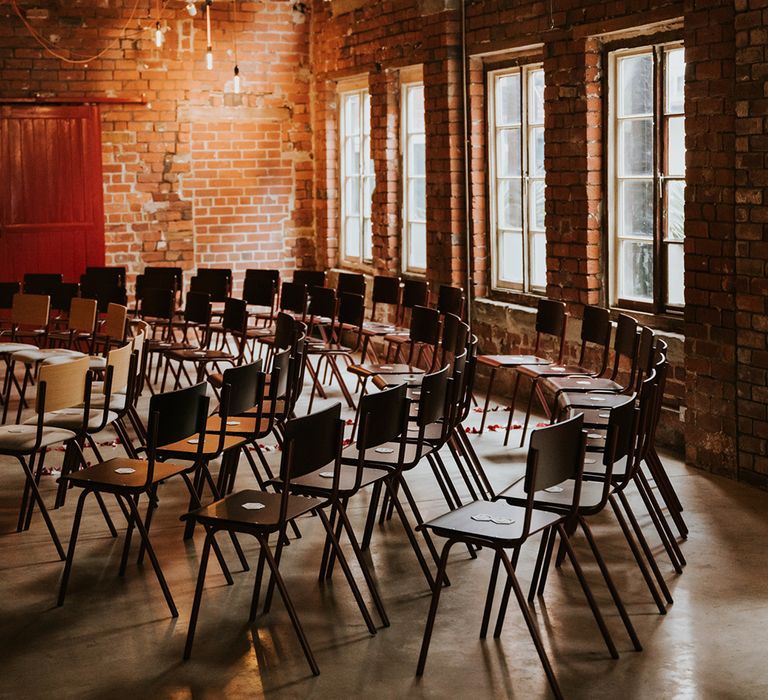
(515, 297)
(668, 324)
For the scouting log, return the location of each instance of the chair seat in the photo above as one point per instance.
(193, 355)
(459, 522)
(582, 384)
(317, 483)
(184, 449)
(104, 474)
(164, 346)
(381, 456)
(236, 425)
(229, 511)
(22, 437)
(72, 418)
(384, 368)
(559, 497)
(97, 362)
(10, 348)
(597, 417)
(507, 361)
(552, 370)
(98, 388)
(580, 399)
(116, 401)
(48, 355)
(384, 381)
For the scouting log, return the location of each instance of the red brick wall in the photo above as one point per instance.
(168, 198)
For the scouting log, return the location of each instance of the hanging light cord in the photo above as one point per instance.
(234, 21)
(48, 47)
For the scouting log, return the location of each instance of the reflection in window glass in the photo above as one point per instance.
(414, 179)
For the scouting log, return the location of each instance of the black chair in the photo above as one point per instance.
(213, 281)
(350, 283)
(42, 283)
(311, 443)
(309, 278)
(450, 300)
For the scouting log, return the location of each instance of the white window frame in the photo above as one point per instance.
(527, 179)
(659, 241)
(365, 175)
(409, 82)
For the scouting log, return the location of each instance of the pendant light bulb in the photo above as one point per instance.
(158, 35)
(236, 81)
(209, 58)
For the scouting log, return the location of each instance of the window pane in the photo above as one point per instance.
(635, 85)
(367, 160)
(508, 100)
(536, 152)
(636, 265)
(511, 256)
(636, 147)
(417, 246)
(417, 200)
(536, 97)
(352, 237)
(539, 260)
(351, 114)
(675, 275)
(352, 196)
(676, 146)
(415, 109)
(675, 81)
(675, 202)
(536, 213)
(509, 204)
(508, 153)
(367, 239)
(416, 156)
(352, 156)
(636, 208)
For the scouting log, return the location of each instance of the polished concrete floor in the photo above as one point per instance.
(114, 637)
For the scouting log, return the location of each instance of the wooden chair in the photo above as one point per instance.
(312, 443)
(112, 329)
(550, 321)
(80, 326)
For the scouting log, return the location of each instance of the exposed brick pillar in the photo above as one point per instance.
(481, 258)
(446, 237)
(384, 88)
(572, 155)
(710, 338)
(326, 147)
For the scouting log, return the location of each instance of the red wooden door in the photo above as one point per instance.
(51, 197)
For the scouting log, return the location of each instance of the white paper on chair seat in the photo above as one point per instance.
(384, 450)
(125, 470)
(583, 382)
(385, 367)
(557, 369)
(596, 398)
(193, 441)
(253, 506)
(233, 422)
(485, 518)
(199, 352)
(555, 489)
(604, 415)
(590, 461)
(21, 429)
(67, 412)
(326, 475)
(596, 436)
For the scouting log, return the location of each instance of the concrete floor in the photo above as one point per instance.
(114, 638)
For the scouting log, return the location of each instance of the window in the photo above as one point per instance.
(414, 179)
(516, 147)
(647, 177)
(357, 176)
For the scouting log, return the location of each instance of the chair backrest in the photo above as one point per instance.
(245, 386)
(158, 303)
(82, 315)
(450, 338)
(260, 290)
(351, 309)
(106, 276)
(114, 323)
(425, 325)
(555, 455)
(624, 342)
(278, 383)
(450, 300)
(415, 293)
(65, 384)
(31, 310)
(213, 281)
(235, 316)
(284, 331)
(293, 297)
(432, 402)
(42, 283)
(7, 291)
(322, 303)
(312, 442)
(119, 360)
(309, 278)
(350, 283)
(644, 358)
(263, 275)
(381, 417)
(596, 329)
(197, 308)
(162, 278)
(62, 297)
(550, 320)
(386, 290)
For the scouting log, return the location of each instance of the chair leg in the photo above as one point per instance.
(71, 548)
(659, 522)
(487, 403)
(370, 521)
(153, 558)
(273, 566)
(271, 584)
(489, 595)
(588, 593)
(257, 586)
(540, 559)
(638, 556)
(420, 521)
(611, 586)
(43, 510)
(502, 612)
(198, 593)
(38, 474)
(25, 507)
(474, 461)
(512, 404)
(534, 632)
(534, 386)
(347, 572)
(437, 588)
